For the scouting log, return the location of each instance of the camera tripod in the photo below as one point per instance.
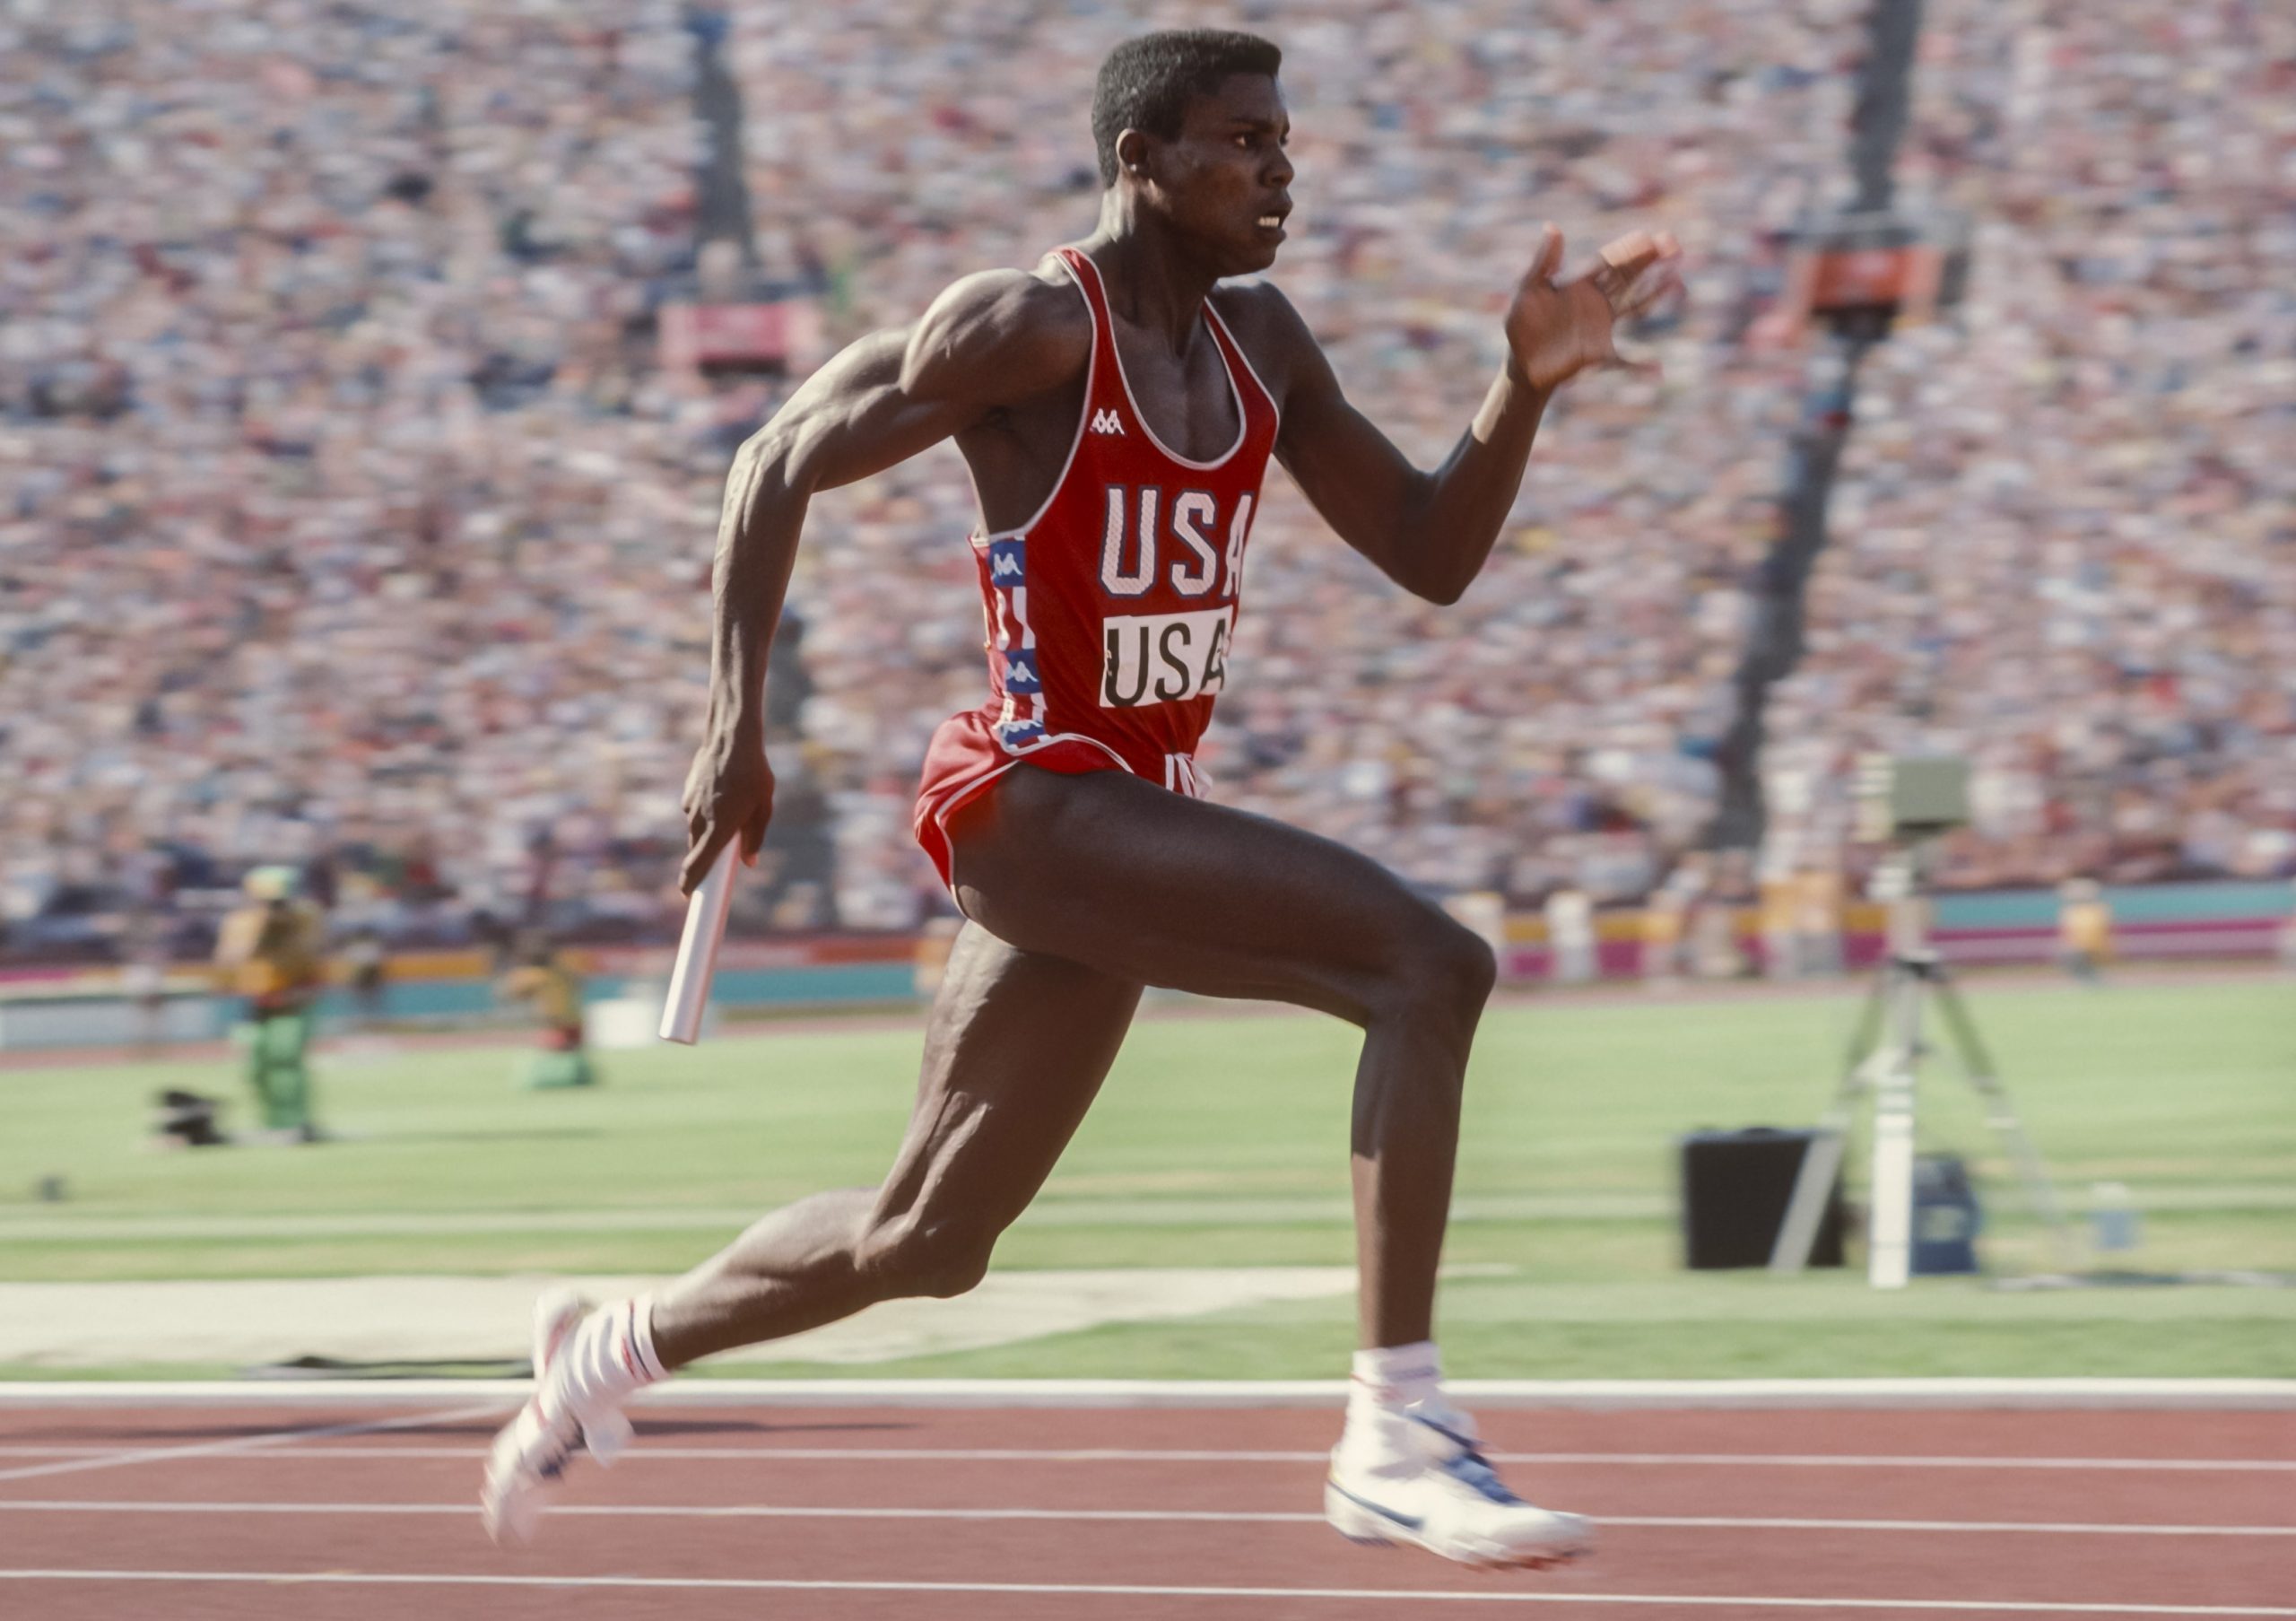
(1884, 1057)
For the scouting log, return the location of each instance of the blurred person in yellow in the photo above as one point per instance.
(271, 951)
(545, 977)
(2085, 928)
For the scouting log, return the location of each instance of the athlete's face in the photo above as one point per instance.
(1225, 180)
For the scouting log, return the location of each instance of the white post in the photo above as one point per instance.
(1890, 1230)
(1888, 1260)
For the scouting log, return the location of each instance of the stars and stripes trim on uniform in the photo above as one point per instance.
(1018, 679)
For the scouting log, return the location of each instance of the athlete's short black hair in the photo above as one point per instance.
(1146, 83)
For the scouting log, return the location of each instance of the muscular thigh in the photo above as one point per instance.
(1015, 1049)
(1150, 886)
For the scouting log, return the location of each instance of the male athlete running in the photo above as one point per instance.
(1116, 406)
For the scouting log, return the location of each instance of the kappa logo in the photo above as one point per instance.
(1006, 568)
(1021, 672)
(1107, 422)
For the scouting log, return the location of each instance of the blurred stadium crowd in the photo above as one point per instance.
(346, 518)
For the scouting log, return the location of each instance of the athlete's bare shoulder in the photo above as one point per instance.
(1275, 337)
(1003, 335)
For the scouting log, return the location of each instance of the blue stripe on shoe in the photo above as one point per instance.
(1469, 1467)
(1410, 1522)
(1465, 1443)
(1473, 1471)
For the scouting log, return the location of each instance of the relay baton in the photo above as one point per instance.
(705, 931)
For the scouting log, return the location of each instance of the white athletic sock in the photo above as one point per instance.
(1387, 1379)
(1395, 1376)
(608, 1356)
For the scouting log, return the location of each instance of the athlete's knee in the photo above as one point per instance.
(1464, 969)
(1443, 972)
(1471, 964)
(916, 1253)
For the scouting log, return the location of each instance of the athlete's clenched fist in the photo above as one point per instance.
(728, 792)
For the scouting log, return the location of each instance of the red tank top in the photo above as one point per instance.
(1110, 611)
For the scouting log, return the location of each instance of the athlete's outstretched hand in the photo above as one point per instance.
(728, 792)
(1558, 330)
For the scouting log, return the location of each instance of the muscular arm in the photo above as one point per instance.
(1431, 532)
(1428, 532)
(990, 341)
(850, 419)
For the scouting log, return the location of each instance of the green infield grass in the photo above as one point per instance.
(1222, 1141)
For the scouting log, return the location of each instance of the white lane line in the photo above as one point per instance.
(100, 1506)
(257, 1445)
(1957, 1526)
(1083, 1590)
(1966, 1395)
(646, 1449)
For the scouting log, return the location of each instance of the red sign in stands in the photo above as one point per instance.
(778, 337)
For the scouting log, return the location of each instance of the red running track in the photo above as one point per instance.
(1091, 1514)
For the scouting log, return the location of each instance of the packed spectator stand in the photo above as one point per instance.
(347, 516)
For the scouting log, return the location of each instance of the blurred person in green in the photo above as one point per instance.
(543, 977)
(271, 951)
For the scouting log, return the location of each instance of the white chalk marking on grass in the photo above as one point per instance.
(448, 1318)
(768, 1584)
(1081, 1210)
(649, 1452)
(244, 1445)
(742, 1510)
(1078, 1209)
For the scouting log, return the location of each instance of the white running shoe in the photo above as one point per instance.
(1428, 1485)
(531, 1452)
